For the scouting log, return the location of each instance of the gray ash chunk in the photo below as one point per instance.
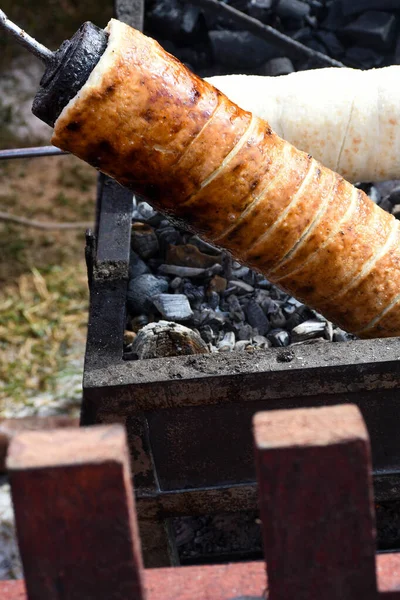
(174, 307)
(141, 290)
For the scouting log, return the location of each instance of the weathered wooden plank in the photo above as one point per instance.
(75, 515)
(9, 427)
(315, 495)
(223, 582)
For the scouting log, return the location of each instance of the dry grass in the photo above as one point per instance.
(42, 320)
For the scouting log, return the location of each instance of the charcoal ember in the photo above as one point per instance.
(292, 9)
(240, 49)
(244, 331)
(240, 272)
(374, 194)
(278, 338)
(256, 317)
(394, 196)
(168, 236)
(195, 293)
(288, 310)
(204, 246)
(240, 287)
(353, 7)
(276, 67)
(207, 334)
(372, 29)
(141, 290)
(261, 341)
(166, 15)
(129, 337)
(342, 336)
(396, 211)
(182, 271)
(213, 300)
(164, 338)
(385, 188)
(227, 343)
(260, 9)
(308, 330)
(144, 240)
(242, 345)
(190, 256)
(217, 284)
(190, 18)
(303, 313)
(174, 307)
(277, 319)
(176, 283)
(235, 308)
(136, 266)
(333, 45)
(335, 19)
(359, 57)
(385, 204)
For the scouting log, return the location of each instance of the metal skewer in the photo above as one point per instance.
(26, 40)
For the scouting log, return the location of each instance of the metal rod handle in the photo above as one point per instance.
(26, 40)
(34, 152)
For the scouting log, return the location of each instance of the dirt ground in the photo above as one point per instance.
(43, 288)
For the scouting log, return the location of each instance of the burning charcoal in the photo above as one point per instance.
(190, 18)
(256, 317)
(163, 339)
(278, 338)
(363, 57)
(396, 211)
(139, 322)
(240, 49)
(259, 9)
(144, 240)
(207, 334)
(328, 331)
(331, 42)
(241, 345)
(261, 341)
(245, 332)
(227, 344)
(240, 287)
(277, 319)
(372, 29)
(136, 266)
(141, 290)
(129, 336)
(235, 309)
(341, 336)
(357, 6)
(176, 283)
(188, 255)
(385, 204)
(394, 196)
(240, 272)
(217, 284)
(182, 271)
(195, 293)
(175, 307)
(204, 246)
(277, 66)
(308, 330)
(168, 236)
(292, 9)
(213, 300)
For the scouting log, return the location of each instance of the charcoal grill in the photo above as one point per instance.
(188, 418)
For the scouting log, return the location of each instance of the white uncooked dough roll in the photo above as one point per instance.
(346, 118)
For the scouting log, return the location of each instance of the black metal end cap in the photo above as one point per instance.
(68, 71)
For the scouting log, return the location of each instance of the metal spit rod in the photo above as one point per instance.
(26, 40)
(34, 152)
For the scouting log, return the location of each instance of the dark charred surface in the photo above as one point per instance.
(67, 73)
